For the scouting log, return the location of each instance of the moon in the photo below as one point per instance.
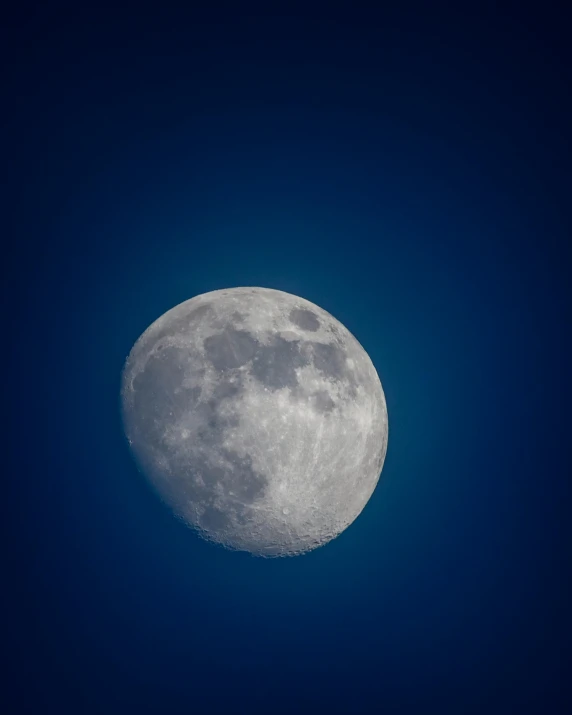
(257, 417)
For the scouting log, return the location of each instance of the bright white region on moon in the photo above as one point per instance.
(258, 417)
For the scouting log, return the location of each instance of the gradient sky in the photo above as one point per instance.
(409, 172)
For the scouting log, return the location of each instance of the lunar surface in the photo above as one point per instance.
(258, 417)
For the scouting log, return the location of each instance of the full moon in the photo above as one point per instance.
(258, 418)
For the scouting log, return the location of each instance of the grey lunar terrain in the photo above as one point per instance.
(258, 417)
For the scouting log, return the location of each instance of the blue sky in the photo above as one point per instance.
(407, 175)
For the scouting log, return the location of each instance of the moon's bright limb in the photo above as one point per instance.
(258, 417)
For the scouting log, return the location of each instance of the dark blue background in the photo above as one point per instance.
(407, 171)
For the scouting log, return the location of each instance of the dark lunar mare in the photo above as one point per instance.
(160, 403)
(230, 348)
(304, 319)
(184, 323)
(323, 402)
(275, 365)
(158, 397)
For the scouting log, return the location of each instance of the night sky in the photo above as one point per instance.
(410, 172)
